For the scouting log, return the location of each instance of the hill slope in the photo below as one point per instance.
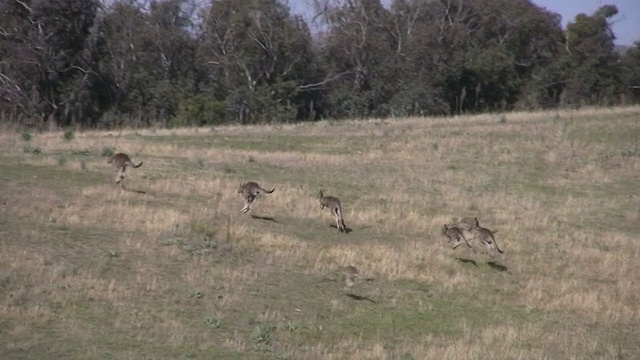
(89, 270)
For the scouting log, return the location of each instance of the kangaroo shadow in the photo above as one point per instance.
(132, 190)
(467, 261)
(346, 229)
(497, 266)
(265, 218)
(360, 298)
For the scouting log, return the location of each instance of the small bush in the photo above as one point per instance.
(212, 322)
(200, 110)
(62, 160)
(69, 135)
(290, 326)
(32, 149)
(262, 337)
(107, 151)
(26, 136)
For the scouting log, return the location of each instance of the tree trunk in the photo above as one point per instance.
(52, 122)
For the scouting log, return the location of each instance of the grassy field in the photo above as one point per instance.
(92, 271)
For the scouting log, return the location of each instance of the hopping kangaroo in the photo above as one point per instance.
(485, 236)
(455, 234)
(120, 162)
(250, 191)
(465, 225)
(333, 203)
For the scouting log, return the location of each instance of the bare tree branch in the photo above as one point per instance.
(25, 6)
(318, 85)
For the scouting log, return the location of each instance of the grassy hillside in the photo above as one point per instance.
(91, 271)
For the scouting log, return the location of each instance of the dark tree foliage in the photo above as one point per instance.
(630, 64)
(358, 49)
(590, 64)
(257, 57)
(498, 47)
(150, 54)
(48, 61)
(98, 63)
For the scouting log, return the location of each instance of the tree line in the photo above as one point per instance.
(104, 64)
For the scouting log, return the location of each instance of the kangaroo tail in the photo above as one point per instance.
(136, 166)
(268, 191)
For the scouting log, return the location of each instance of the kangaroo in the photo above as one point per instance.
(454, 234)
(465, 225)
(333, 203)
(120, 162)
(485, 236)
(250, 191)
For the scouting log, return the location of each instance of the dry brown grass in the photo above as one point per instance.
(88, 270)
